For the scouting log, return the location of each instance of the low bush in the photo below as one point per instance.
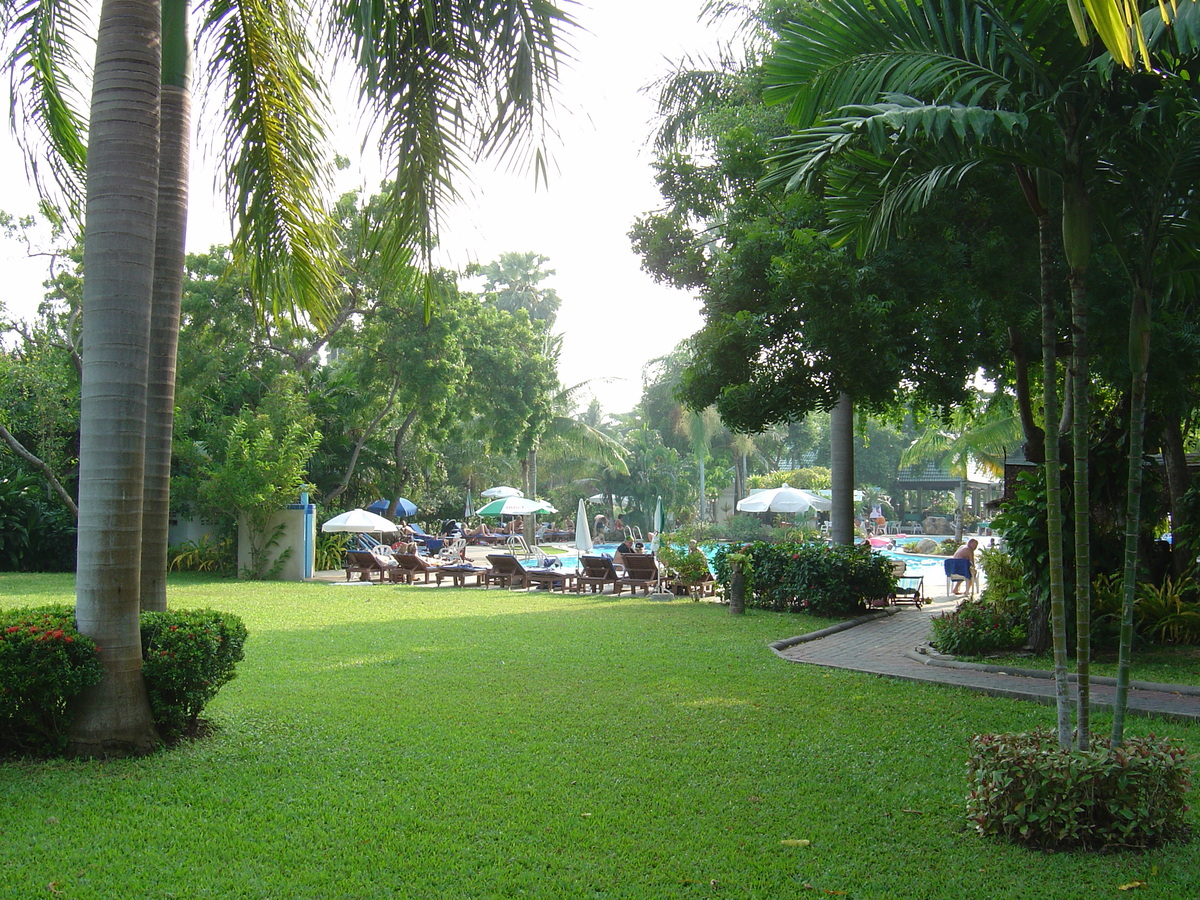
(1027, 789)
(187, 655)
(976, 627)
(44, 662)
(209, 554)
(826, 580)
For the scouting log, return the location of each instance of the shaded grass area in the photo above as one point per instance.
(1163, 664)
(426, 743)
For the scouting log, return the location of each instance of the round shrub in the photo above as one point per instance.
(44, 662)
(187, 655)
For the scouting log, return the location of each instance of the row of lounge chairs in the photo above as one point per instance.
(640, 571)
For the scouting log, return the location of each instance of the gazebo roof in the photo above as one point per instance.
(931, 476)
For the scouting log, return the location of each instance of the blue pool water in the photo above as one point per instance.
(917, 565)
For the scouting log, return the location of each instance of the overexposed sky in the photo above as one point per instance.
(614, 318)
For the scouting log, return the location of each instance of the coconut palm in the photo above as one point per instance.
(442, 80)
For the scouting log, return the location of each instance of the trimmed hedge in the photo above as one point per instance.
(826, 580)
(1026, 788)
(44, 661)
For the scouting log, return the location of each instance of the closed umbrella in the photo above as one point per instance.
(359, 520)
(469, 509)
(657, 525)
(515, 506)
(783, 499)
(583, 534)
(501, 492)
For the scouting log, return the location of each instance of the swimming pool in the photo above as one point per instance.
(917, 564)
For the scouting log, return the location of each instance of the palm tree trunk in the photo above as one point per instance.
(113, 717)
(1139, 360)
(1175, 465)
(841, 460)
(1077, 237)
(1054, 554)
(169, 246)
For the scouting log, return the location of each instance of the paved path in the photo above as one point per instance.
(893, 643)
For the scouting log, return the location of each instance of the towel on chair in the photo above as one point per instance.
(958, 568)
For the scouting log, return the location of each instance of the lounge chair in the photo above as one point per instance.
(458, 573)
(909, 588)
(409, 566)
(365, 563)
(506, 571)
(641, 571)
(597, 572)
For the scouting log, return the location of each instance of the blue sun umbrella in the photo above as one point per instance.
(403, 507)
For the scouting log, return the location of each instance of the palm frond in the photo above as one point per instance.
(275, 153)
(447, 80)
(44, 62)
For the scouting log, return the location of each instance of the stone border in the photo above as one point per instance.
(832, 629)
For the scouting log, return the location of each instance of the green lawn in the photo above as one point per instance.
(1167, 665)
(426, 743)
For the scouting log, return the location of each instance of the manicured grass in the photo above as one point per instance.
(1167, 665)
(405, 742)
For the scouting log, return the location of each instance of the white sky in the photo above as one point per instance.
(614, 318)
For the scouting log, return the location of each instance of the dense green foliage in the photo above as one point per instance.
(44, 662)
(37, 534)
(825, 580)
(1026, 788)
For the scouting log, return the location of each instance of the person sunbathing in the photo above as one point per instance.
(481, 531)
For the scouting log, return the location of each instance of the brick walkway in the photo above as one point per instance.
(893, 643)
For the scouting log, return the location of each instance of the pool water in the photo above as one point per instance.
(917, 565)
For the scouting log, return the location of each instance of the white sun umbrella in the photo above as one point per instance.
(583, 534)
(501, 492)
(783, 499)
(657, 525)
(359, 520)
(515, 506)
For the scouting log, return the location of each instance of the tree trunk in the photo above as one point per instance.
(1183, 549)
(1077, 236)
(113, 717)
(171, 236)
(1053, 469)
(1139, 360)
(737, 592)
(841, 459)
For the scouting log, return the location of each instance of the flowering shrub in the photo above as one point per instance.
(187, 655)
(975, 628)
(1026, 788)
(809, 577)
(44, 662)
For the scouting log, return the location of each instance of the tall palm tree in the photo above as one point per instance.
(442, 78)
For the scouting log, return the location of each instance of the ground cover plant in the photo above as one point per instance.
(404, 741)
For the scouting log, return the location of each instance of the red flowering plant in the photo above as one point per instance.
(44, 662)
